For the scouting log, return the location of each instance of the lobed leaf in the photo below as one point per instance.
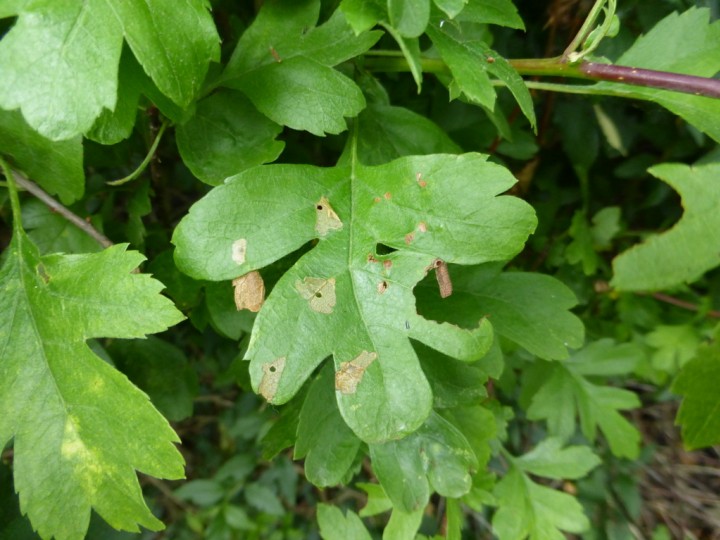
(60, 60)
(697, 383)
(687, 250)
(80, 428)
(343, 297)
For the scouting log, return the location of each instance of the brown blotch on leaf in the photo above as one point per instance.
(387, 264)
(249, 291)
(371, 258)
(326, 219)
(409, 238)
(388, 196)
(490, 60)
(422, 183)
(272, 371)
(382, 287)
(319, 292)
(422, 226)
(377, 199)
(351, 373)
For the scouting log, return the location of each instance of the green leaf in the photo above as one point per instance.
(386, 133)
(697, 383)
(336, 526)
(451, 7)
(284, 65)
(453, 382)
(530, 309)
(688, 249)
(530, 510)
(409, 17)
(323, 438)
(436, 456)
(55, 166)
(60, 60)
(565, 392)
(550, 460)
(226, 136)
(201, 492)
(264, 499)
(500, 12)
(424, 207)
(403, 525)
(362, 15)
(52, 233)
(680, 43)
(303, 94)
(147, 363)
(80, 428)
(469, 70)
(377, 500)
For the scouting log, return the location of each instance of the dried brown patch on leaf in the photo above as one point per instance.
(326, 219)
(422, 227)
(387, 265)
(382, 287)
(239, 250)
(409, 237)
(422, 183)
(272, 371)
(249, 291)
(319, 292)
(351, 373)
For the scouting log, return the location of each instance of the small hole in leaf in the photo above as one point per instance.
(318, 294)
(319, 207)
(382, 249)
(272, 369)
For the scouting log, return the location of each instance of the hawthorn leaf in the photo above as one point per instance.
(80, 428)
(680, 43)
(386, 132)
(377, 500)
(303, 94)
(403, 525)
(699, 411)
(334, 525)
(60, 59)
(225, 136)
(436, 457)
(532, 310)
(690, 248)
(550, 460)
(342, 297)
(471, 62)
(57, 166)
(565, 393)
(499, 12)
(362, 15)
(283, 63)
(409, 17)
(453, 382)
(52, 233)
(530, 510)
(325, 441)
(147, 363)
(451, 7)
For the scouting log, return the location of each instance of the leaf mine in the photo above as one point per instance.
(249, 291)
(326, 219)
(351, 373)
(272, 371)
(239, 248)
(319, 292)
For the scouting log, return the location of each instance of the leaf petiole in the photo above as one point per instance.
(137, 172)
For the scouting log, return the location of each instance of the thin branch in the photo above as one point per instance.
(55, 206)
(151, 153)
(685, 305)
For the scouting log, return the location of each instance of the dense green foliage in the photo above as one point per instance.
(403, 288)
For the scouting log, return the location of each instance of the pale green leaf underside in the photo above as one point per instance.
(334, 525)
(60, 60)
(688, 249)
(342, 297)
(80, 428)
